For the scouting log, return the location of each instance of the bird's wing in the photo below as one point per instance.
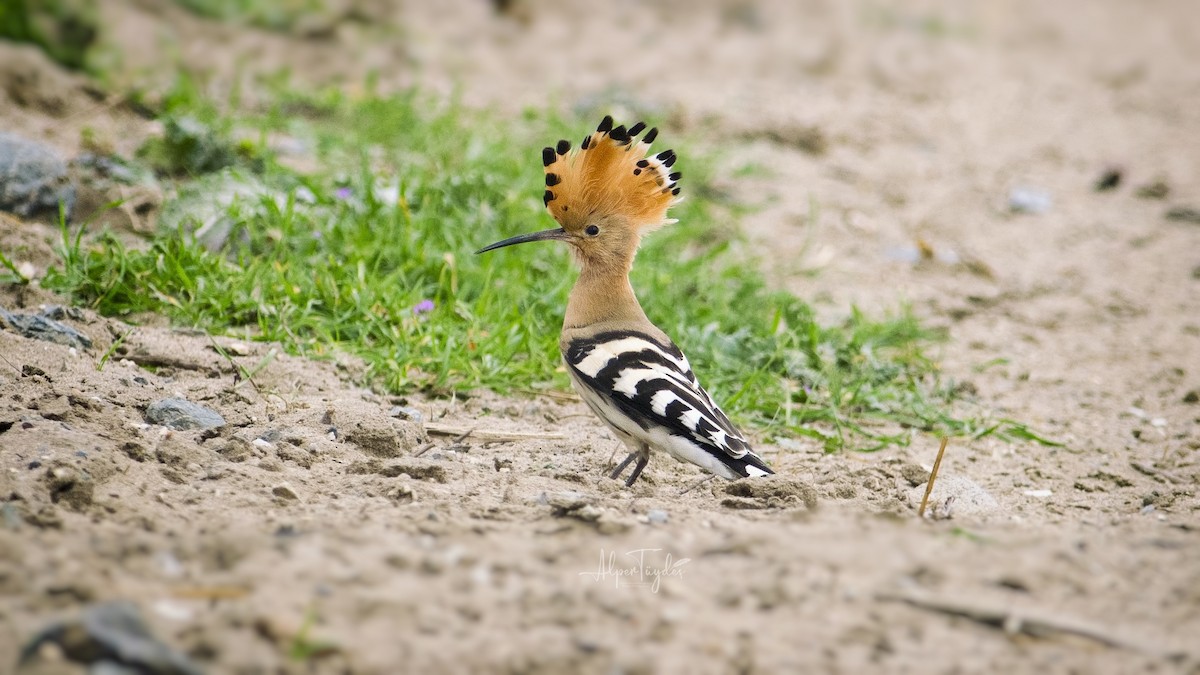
(653, 384)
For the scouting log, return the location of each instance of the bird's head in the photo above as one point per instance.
(605, 195)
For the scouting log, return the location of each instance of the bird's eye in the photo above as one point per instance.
(592, 230)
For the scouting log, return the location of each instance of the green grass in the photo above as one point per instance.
(271, 14)
(345, 258)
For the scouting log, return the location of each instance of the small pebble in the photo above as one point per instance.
(178, 413)
(657, 516)
(1158, 189)
(1184, 214)
(284, 491)
(406, 413)
(1024, 199)
(1108, 180)
(1038, 493)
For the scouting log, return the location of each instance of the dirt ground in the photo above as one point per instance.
(885, 148)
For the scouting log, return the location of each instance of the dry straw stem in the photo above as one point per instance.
(1032, 623)
(457, 439)
(937, 463)
(485, 435)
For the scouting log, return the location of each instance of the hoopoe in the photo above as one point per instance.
(605, 196)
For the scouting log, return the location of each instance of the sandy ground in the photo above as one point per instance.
(881, 146)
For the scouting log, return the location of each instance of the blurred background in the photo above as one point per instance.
(974, 219)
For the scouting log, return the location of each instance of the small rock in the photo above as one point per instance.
(236, 450)
(588, 513)
(1192, 396)
(965, 496)
(1157, 189)
(111, 638)
(402, 494)
(1024, 199)
(501, 464)
(566, 501)
(376, 435)
(30, 370)
(1184, 214)
(1109, 180)
(915, 474)
(407, 413)
(39, 327)
(179, 414)
(657, 516)
(33, 179)
(284, 491)
(70, 486)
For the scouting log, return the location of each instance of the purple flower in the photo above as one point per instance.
(343, 193)
(423, 307)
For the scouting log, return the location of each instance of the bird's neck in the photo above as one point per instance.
(602, 296)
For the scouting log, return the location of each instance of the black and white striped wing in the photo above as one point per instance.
(651, 384)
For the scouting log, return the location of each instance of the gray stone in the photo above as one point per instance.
(1025, 199)
(407, 413)
(39, 327)
(180, 414)
(113, 636)
(657, 516)
(33, 179)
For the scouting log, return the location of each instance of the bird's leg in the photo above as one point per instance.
(643, 457)
(624, 463)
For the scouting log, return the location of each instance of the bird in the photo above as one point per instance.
(605, 196)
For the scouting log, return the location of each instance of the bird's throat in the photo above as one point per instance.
(602, 296)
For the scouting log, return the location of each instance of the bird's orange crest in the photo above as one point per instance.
(610, 174)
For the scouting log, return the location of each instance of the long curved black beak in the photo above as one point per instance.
(544, 235)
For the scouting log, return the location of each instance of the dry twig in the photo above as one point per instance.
(486, 435)
(1031, 624)
(937, 463)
